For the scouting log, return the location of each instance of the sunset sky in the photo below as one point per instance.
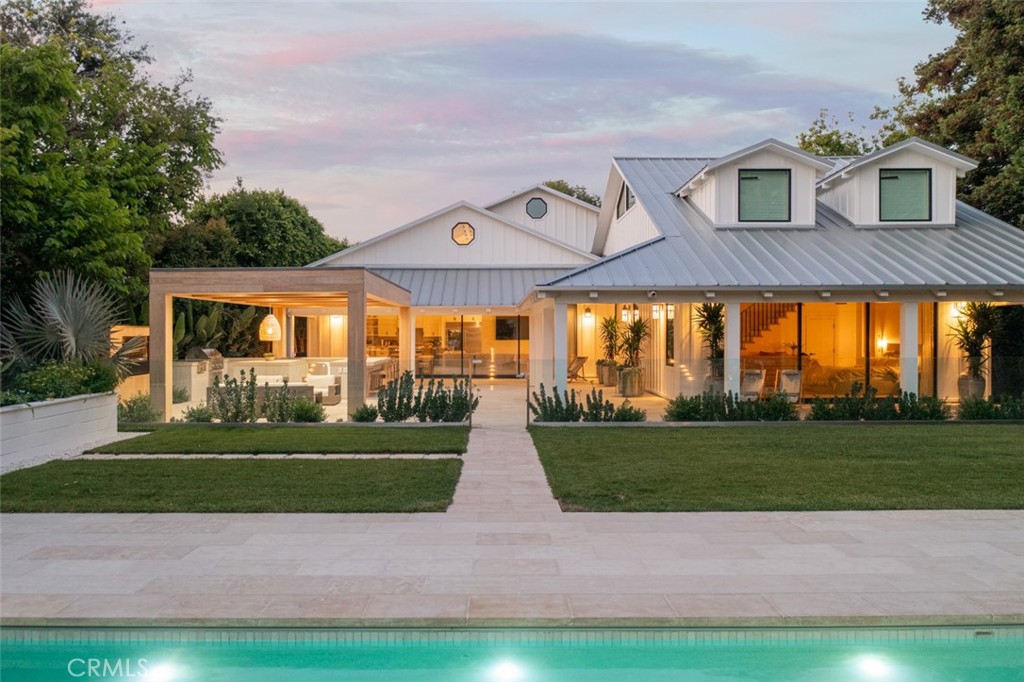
(376, 114)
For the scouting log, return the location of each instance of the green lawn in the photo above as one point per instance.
(211, 485)
(216, 439)
(792, 467)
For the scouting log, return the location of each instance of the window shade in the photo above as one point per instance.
(764, 196)
(905, 194)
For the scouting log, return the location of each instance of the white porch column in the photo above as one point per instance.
(560, 351)
(908, 348)
(278, 347)
(406, 340)
(732, 348)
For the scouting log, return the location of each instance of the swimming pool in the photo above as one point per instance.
(960, 654)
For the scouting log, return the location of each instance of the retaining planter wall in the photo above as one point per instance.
(38, 432)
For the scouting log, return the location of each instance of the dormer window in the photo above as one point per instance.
(626, 200)
(765, 195)
(905, 194)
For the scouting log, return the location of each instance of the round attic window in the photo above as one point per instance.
(536, 208)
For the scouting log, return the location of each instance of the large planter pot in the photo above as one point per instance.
(970, 387)
(606, 375)
(630, 382)
(34, 433)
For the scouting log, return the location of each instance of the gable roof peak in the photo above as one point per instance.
(959, 161)
(541, 187)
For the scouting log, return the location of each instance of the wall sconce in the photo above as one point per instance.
(883, 345)
(270, 329)
(587, 315)
(656, 311)
(625, 315)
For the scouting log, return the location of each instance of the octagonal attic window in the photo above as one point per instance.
(536, 208)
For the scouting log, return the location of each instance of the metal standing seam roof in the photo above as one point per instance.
(466, 287)
(980, 251)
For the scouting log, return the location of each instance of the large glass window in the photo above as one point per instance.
(764, 196)
(670, 335)
(905, 194)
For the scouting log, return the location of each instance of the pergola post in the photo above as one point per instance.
(732, 348)
(908, 348)
(356, 347)
(161, 351)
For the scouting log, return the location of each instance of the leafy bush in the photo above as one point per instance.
(199, 414)
(235, 401)
(1006, 407)
(137, 410)
(180, 394)
(627, 413)
(865, 405)
(307, 410)
(395, 399)
(365, 413)
(709, 407)
(56, 379)
(278, 403)
(553, 409)
(598, 409)
(440, 404)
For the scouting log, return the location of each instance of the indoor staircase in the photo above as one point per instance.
(757, 318)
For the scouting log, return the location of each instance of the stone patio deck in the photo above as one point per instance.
(504, 554)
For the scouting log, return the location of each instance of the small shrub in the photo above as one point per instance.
(198, 414)
(307, 411)
(278, 404)
(709, 407)
(235, 401)
(365, 413)
(436, 403)
(1004, 408)
(598, 409)
(912, 407)
(180, 394)
(627, 413)
(56, 379)
(137, 410)
(395, 400)
(553, 409)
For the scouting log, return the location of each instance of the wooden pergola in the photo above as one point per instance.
(353, 288)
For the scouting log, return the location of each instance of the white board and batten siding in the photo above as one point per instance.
(430, 243)
(634, 227)
(565, 220)
(720, 200)
(856, 196)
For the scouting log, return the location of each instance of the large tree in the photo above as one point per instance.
(270, 228)
(576, 191)
(970, 97)
(149, 146)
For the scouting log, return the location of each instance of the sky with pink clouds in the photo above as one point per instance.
(376, 114)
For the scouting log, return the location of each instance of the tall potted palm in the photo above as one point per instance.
(972, 335)
(631, 345)
(609, 335)
(711, 327)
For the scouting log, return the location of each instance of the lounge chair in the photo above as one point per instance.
(575, 372)
(752, 384)
(790, 383)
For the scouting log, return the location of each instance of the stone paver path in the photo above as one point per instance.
(505, 554)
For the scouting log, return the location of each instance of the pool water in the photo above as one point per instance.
(522, 655)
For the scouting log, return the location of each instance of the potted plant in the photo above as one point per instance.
(711, 327)
(609, 334)
(972, 334)
(631, 345)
